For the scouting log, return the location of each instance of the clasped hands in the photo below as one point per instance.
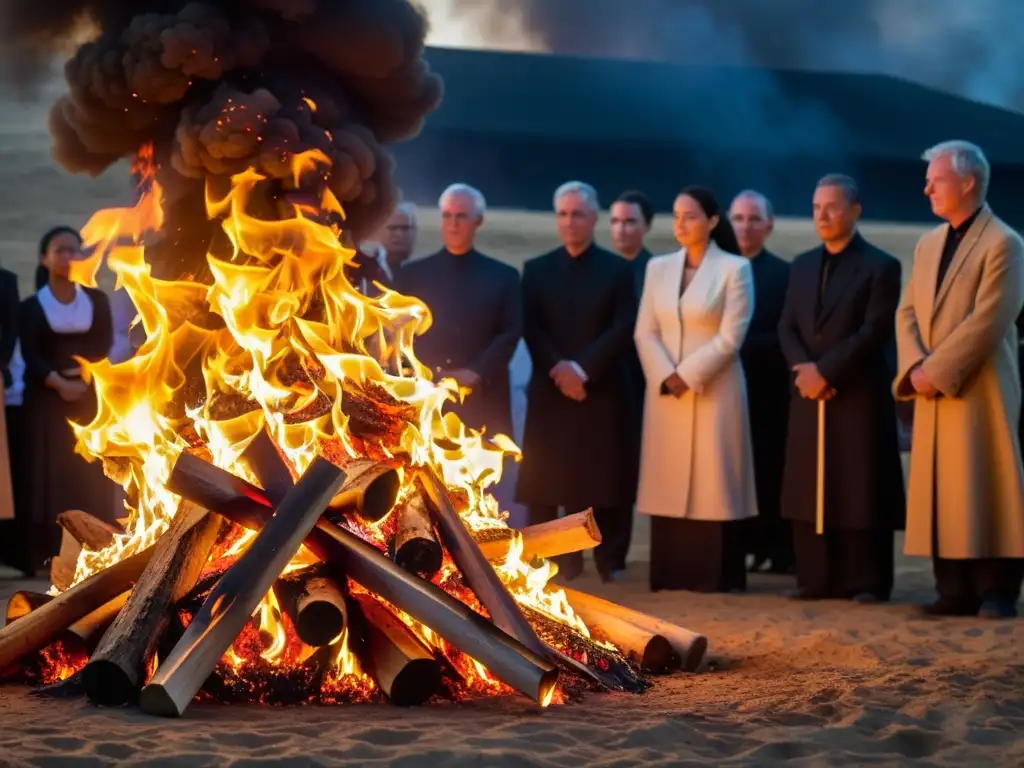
(922, 384)
(811, 383)
(568, 381)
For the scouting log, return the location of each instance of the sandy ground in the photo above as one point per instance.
(820, 684)
(814, 685)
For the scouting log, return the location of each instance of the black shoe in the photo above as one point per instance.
(998, 609)
(946, 607)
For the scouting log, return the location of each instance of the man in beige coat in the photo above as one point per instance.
(957, 345)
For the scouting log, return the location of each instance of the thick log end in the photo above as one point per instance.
(155, 700)
(546, 687)
(381, 495)
(694, 655)
(420, 556)
(319, 623)
(107, 684)
(659, 656)
(416, 683)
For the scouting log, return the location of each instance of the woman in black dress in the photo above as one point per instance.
(60, 322)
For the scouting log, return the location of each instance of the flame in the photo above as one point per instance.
(284, 344)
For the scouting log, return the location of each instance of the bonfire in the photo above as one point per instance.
(305, 521)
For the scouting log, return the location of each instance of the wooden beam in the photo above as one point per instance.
(238, 593)
(117, 669)
(690, 646)
(572, 533)
(416, 547)
(45, 624)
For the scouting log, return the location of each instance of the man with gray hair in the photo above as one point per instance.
(398, 236)
(770, 540)
(836, 333)
(579, 309)
(957, 342)
(477, 321)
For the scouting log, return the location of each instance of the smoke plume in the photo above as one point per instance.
(221, 86)
(963, 47)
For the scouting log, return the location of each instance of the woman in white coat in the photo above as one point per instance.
(697, 465)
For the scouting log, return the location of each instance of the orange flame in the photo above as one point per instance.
(295, 334)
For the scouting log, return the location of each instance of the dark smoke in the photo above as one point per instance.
(221, 86)
(967, 47)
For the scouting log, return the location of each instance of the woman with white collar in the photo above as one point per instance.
(61, 321)
(697, 467)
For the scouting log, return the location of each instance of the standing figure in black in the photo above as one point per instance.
(837, 333)
(630, 219)
(579, 308)
(10, 539)
(477, 317)
(770, 540)
(60, 322)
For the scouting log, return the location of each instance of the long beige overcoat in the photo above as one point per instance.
(697, 459)
(965, 466)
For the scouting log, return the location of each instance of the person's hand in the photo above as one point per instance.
(675, 385)
(922, 384)
(574, 390)
(565, 374)
(464, 377)
(72, 390)
(811, 383)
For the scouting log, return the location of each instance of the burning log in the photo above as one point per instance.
(505, 657)
(403, 668)
(91, 532)
(689, 646)
(572, 533)
(117, 670)
(315, 602)
(416, 547)
(78, 530)
(371, 489)
(268, 465)
(478, 573)
(232, 601)
(45, 624)
(23, 602)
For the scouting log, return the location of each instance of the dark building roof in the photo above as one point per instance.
(519, 124)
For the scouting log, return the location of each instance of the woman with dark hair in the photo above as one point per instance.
(697, 464)
(60, 322)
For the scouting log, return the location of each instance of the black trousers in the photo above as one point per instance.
(969, 583)
(843, 564)
(616, 526)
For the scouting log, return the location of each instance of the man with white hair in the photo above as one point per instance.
(579, 309)
(957, 344)
(398, 237)
(477, 320)
(770, 542)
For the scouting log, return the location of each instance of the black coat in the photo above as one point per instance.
(583, 309)
(9, 309)
(852, 340)
(768, 380)
(476, 308)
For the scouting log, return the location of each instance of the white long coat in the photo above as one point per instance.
(697, 459)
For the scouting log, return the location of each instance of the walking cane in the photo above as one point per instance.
(819, 526)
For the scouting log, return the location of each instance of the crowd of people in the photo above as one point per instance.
(746, 403)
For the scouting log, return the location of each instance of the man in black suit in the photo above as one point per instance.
(579, 309)
(476, 309)
(771, 542)
(837, 333)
